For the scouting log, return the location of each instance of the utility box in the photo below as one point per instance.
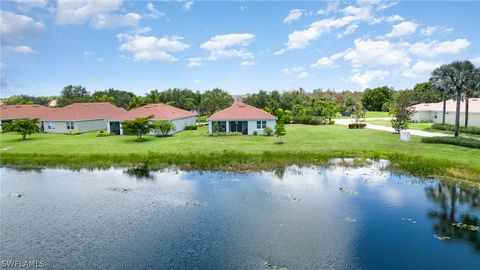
(404, 136)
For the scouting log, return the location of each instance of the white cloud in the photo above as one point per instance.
(327, 61)
(298, 72)
(80, 11)
(154, 13)
(331, 7)
(476, 60)
(428, 31)
(220, 46)
(300, 39)
(394, 18)
(402, 29)
(22, 49)
(147, 48)
(247, 63)
(30, 4)
(434, 48)
(195, 62)
(188, 5)
(349, 30)
(369, 76)
(15, 26)
(420, 68)
(293, 15)
(376, 52)
(101, 21)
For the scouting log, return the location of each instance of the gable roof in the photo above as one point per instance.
(159, 111)
(83, 111)
(11, 112)
(242, 111)
(473, 106)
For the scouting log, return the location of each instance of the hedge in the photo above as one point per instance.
(356, 125)
(448, 127)
(460, 141)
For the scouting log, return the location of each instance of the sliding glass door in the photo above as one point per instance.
(239, 126)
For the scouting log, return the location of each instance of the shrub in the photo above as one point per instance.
(460, 141)
(309, 120)
(191, 127)
(331, 122)
(164, 128)
(72, 132)
(448, 127)
(103, 133)
(202, 118)
(255, 133)
(268, 131)
(356, 125)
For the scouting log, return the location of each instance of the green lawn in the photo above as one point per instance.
(196, 150)
(368, 115)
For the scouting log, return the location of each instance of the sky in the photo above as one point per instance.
(241, 47)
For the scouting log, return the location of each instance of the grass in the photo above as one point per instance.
(371, 114)
(194, 149)
(418, 126)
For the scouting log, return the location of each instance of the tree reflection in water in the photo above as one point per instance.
(140, 172)
(455, 204)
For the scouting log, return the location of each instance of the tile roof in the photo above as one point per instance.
(473, 106)
(84, 111)
(242, 111)
(10, 112)
(159, 111)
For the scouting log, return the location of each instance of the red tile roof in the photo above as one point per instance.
(242, 111)
(10, 112)
(83, 111)
(159, 111)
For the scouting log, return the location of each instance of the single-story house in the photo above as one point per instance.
(433, 112)
(241, 117)
(81, 117)
(15, 112)
(161, 112)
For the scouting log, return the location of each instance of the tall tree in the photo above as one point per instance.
(215, 100)
(121, 98)
(440, 80)
(473, 90)
(402, 111)
(424, 93)
(374, 99)
(153, 97)
(136, 102)
(73, 94)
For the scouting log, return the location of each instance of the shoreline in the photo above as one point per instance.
(236, 161)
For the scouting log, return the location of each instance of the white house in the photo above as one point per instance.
(81, 117)
(160, 112)
(433, 112)
(241, 117)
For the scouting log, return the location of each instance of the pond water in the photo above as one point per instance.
(297, 218)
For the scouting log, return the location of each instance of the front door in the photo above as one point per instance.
(115, 128)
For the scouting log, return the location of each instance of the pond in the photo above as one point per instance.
(298, 218)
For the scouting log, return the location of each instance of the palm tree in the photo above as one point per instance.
(472, 91)
(153, 97)
(440, 82)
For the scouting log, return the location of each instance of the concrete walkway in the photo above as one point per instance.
(390, 129)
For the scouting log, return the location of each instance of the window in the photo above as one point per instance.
(50, 125)
(261, 124)
(70, 125)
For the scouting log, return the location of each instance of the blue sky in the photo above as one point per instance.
(241, 47)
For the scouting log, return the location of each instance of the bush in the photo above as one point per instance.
(309, 120)
(448, 127)
(191, 127)
(220, 134)
(460, 141)
(202, 118)
(255, 133)
(331, 122)
(72, 132)
(268, 131)
(103, 133)
(356, 125)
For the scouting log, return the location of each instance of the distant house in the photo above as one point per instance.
(161, 112)
(82, 117)
(433, 112)
(241, 117)
(15, 112)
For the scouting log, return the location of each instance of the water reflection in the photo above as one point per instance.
(140, 172)
(454, 207)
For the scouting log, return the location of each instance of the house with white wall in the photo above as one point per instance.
(243, 118)
(160, 112)
(80, 117)
(434, 112)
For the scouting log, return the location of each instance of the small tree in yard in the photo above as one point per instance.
(138, 126)
(402, 111)
(216, 127)
(23, 127)
(280, 131)
(268, 131)
(164, 128)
